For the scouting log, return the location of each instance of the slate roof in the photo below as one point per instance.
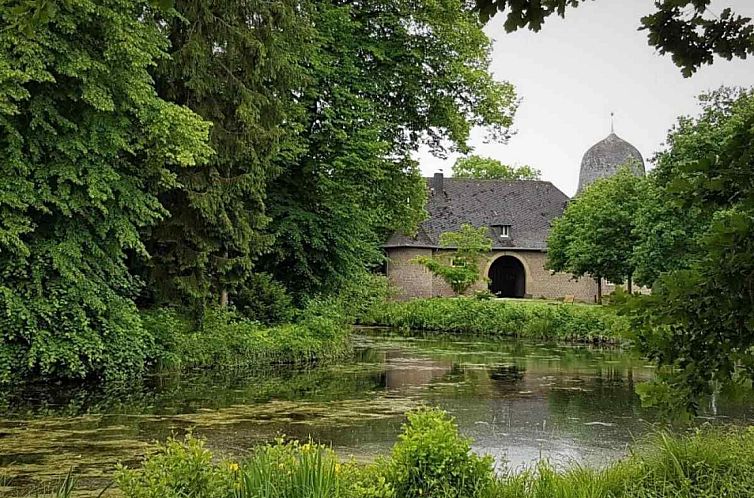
(528, 206)
(604, 158)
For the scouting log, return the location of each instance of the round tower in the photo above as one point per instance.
(605, 158)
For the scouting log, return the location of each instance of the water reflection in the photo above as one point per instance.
(520, 401)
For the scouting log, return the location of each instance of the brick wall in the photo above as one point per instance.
(414, 280)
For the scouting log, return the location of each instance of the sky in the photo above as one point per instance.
(576, 71)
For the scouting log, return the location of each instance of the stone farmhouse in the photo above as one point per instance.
(518, 215)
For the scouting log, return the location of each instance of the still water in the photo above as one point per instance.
(519, 401)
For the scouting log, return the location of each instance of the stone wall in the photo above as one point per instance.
(411, 280)
(414, 280)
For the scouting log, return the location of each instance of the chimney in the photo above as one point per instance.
(437, 183)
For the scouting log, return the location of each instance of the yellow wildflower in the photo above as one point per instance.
(233, 467)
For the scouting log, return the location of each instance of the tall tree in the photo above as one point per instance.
(85, 148)
(486, 168)
(686, 29)
(238, 65)
(699, 321)
(594, 236)
(669, 229)
(388, 76)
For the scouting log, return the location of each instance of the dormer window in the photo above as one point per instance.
(505, 231)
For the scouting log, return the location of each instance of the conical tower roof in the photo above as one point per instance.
(605, 158)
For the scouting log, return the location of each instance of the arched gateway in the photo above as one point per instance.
(507, 277)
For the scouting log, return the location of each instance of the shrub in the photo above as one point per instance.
(264, 300)
(432, 459)
(177, 470)
(521, 319)
(354, 299)
(225, 339)
(70, 334)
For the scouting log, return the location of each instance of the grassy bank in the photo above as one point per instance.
(223, 339)
(540, 320)
(430, 459)
(319, 330)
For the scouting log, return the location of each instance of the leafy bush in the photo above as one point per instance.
(479, 316)
(264, 300)
(432, 459)
(281, 470)
(78, 333)
(354, 299)
(177, 470)
(223, 338)
(484, 295)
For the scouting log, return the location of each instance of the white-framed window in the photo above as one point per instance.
(505, 231)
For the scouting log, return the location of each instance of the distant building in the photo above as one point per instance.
(606, 157)
(518, 215)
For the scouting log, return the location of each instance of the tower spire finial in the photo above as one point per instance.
(612, 122)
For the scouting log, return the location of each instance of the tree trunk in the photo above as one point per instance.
(224, 292)
(630, 285)
(599, 290)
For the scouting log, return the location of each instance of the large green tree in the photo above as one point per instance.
(594, 236)
(85, 148)
(486, 168)
(387, 77)
(668, 228)
(699, 321)
(687, 29)
(238, 65)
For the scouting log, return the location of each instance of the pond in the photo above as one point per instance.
(519, 401)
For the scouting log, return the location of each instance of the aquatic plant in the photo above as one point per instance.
(542, 320)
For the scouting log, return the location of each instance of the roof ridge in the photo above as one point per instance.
(493, 179)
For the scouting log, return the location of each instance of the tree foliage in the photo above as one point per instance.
(240, 75)
(460, 267)
(217, 151)
(86, 146)
(486, 168)
(387, 76)
(594, 236)
(686, 29)
(668, 228)
(698, 322)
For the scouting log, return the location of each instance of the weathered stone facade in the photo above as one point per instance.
(413, 280)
